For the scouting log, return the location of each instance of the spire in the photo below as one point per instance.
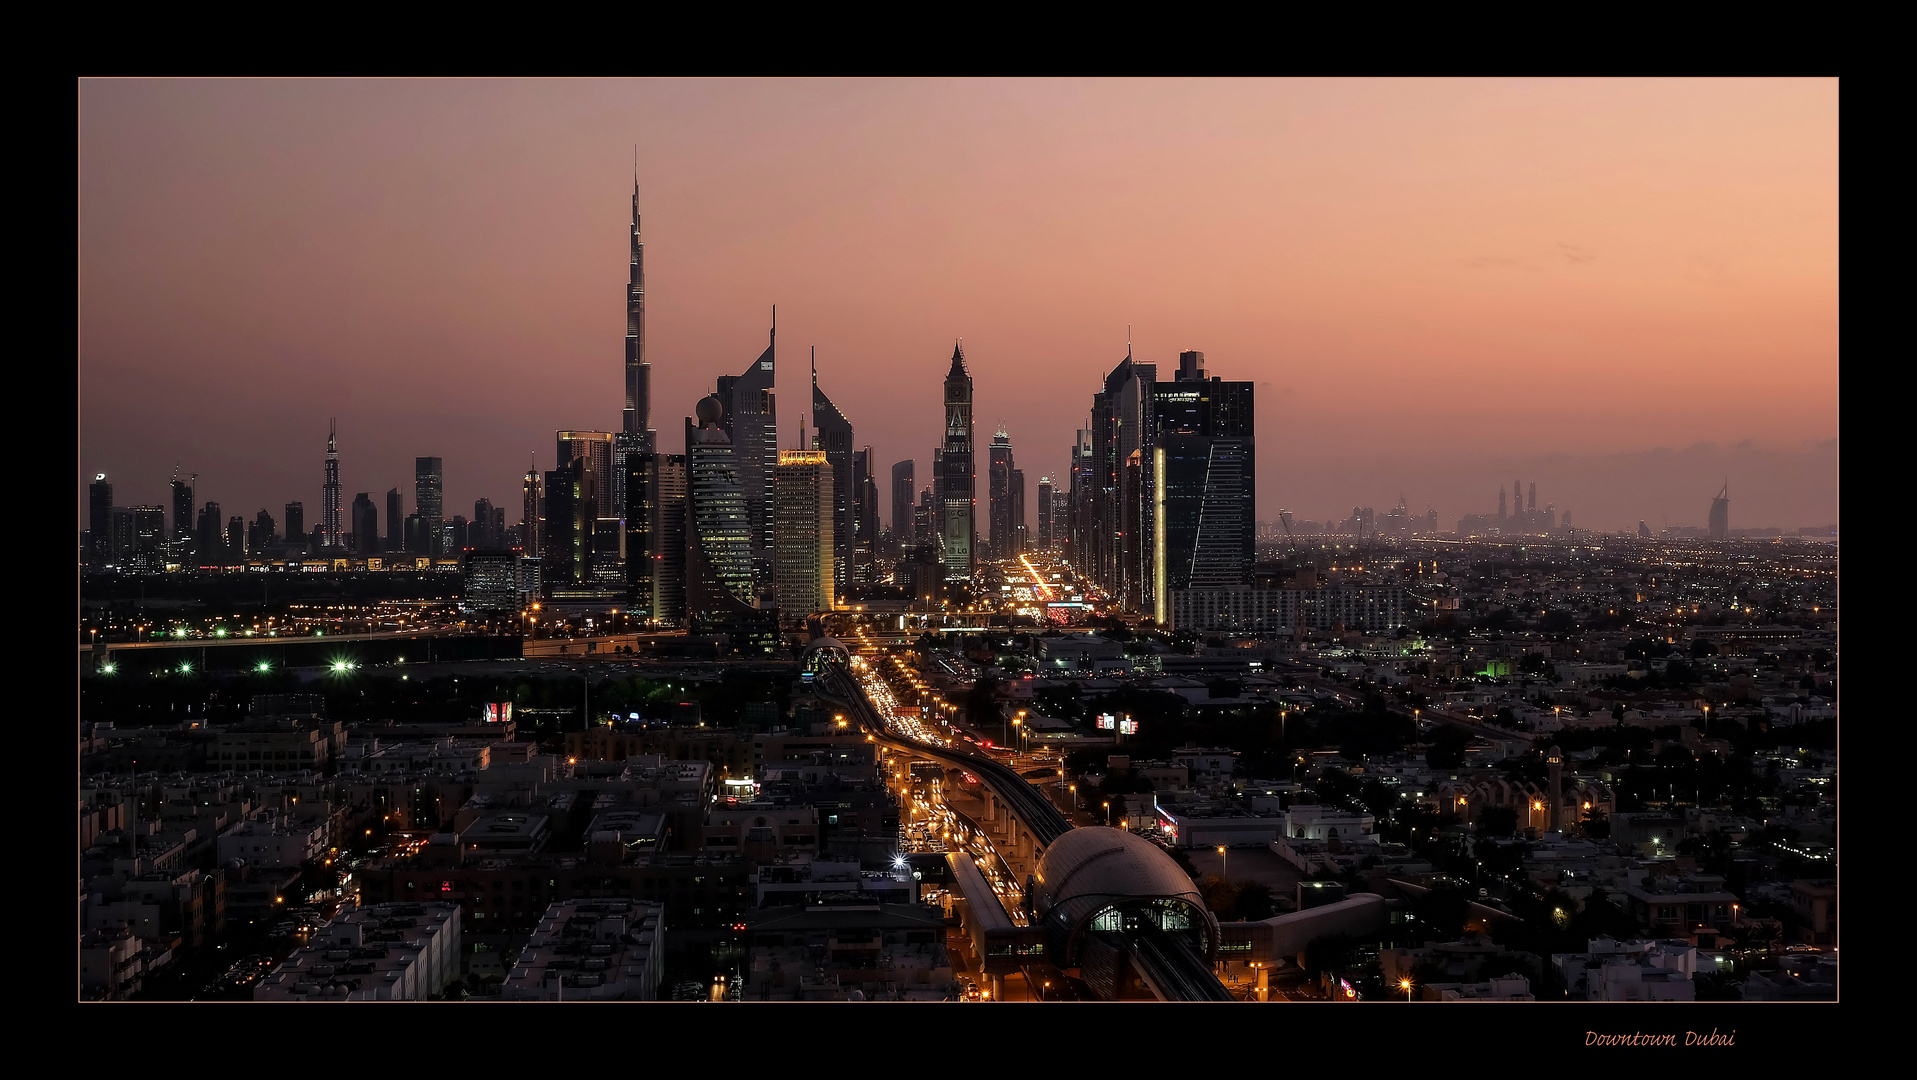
(958, 361)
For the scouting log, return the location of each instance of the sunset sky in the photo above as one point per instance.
(1623, 291)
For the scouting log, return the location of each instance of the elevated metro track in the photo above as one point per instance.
(1172, 966)
(1031, 807)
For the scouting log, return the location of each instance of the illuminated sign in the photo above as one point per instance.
(1106, 721)
(499, 712)
(1128, 727)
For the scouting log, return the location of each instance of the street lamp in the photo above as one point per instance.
(1405, 985)
(1224, 862)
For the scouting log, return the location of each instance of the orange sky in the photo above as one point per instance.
(1604, 287)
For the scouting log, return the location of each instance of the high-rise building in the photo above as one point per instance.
(835, 438)
(461, 534)
(429, 485)
(719, 586)
(803, 532)
(752, 422)
(395, 522)
(904, 495)
(147, 537)
(496, 529)
(1531, 505)
(602, 520)
(1077, 540)
(1045, 525)
(260, 532)
(529, 513)
(1501, 514)
(331, 527)
(296, 524)
(481, 530)
(182, 515)
(637, 417)
(365, 525)
(1118, 556)
(100, 517)
(959, 506)
(491, 581)
(236, 537)
(567, 526)
(1015, 511)
(1200, 499)
(1720, 527)
(998, 487)
(865, 518)
(419, 540)
(211, 544)
(656, 537)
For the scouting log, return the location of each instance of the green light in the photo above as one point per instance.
(106, 669)
(185, 668)
(221, 632)
(263, 666)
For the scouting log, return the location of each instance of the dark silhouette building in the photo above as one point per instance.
(958, 505)
(835, 438)
(429, 484)
(296, 525)
(720, 592)
(751, 421)
(637, 417)
(100, 517)
(656, 537)
(395, 522)
(1720, 527)
(331, 527)
(999, 495)
(904, 495)
(365, 525)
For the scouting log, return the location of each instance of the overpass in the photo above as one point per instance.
(1108, 909)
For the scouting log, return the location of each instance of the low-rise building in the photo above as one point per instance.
(592, 950)
(383, 952)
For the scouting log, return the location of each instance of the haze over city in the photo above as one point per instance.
(1624, 292)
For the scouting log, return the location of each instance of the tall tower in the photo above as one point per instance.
(100, 517)
(960, 504)
(803, 556)
(529, 510)
(999, 493)
(395, 522)
(751, 419)
(331, 532)
(637, 419)
(182, 513)
(719, 589)
(904, 490)
(1721, 513)
(429, 484)
(835, 438)
(1045, 513)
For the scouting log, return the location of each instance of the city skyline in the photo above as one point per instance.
(1714, 385)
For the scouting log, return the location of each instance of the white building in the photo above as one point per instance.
(592, 950)
(386, 952)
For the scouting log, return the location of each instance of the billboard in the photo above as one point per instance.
(498, 712)
(1106, 721)
(1128, 726)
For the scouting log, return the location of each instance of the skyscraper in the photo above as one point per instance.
(803, 532)
(296, 524)
(365, 525)
(100, 517)
(481, 531)
(428, 490)
(1016, 533)
(149, 536)
(904, 494)
(593, 450)
(865, 517)
(236, 538)
(656, 537)
(637, 418)
(719, 586)
(751, 420)
(331, 527)
(529, 512)
(1120, 510)
(211, 544)
(1045, 525)
(835, 438)
(999, 505)
(261, 532)
(567, 527)
(182, 514)
(395, 523)
(1720, 527)
(959, 506)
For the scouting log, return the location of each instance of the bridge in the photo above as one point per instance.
(1105, 908)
